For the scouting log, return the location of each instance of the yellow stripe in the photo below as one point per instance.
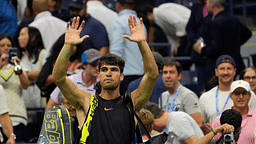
(6, 77)
(85, 132)
(62, 127)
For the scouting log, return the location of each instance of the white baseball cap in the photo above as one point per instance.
(240, 83)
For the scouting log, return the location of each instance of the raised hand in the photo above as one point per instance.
(137, 31)
(72, 35)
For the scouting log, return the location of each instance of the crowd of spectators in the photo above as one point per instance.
(206, 32)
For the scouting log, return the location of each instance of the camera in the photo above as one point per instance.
(13, 51)
(229, 138)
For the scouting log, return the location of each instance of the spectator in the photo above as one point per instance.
(159, 87)
(124, 48)
(57, 11)
(85, 80)
(215, 101)
(33, 54)
(8, 18)
(178, 97)
(50, 27)
(180, 127)
(225, 35)
(249, 75)
(196, 27)
(13, 85)
(230, 120)
(6, 122)
(98, 35)
(101, 13)
(172, 18)
(240, 94)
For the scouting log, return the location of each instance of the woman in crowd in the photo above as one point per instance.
(13, 82)
(249, 75)
(32, 53)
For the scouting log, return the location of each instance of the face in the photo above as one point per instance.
(170, 77)
(250, 77)
(23, 37)
(92, 68)
(225, 73)
(240, 98)
(74, 12)
(110, 77)
(5, 44)
(70, 108)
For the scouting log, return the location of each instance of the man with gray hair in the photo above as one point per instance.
(224, 35)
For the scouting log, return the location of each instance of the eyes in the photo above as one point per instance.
(105, 69)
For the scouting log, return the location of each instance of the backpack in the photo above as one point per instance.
(56, 127)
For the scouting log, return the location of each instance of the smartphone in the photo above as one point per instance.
(13, 51)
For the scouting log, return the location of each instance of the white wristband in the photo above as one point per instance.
(13, 135)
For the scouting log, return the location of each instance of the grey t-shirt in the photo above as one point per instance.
(186, 101)
(181, 126)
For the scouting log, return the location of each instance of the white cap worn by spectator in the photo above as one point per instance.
(240, 83)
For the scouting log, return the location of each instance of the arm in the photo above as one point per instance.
(225, 128)
(32, 76)
(50, 104)
(197, 118)
(76, 97)
(192, 139)
(7, 127)
(143, 93)
(104, 50)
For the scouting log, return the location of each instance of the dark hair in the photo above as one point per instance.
(112, 59)
(154, 109)
(6, 35)
(231, 117)
(214, 81)
(241, 76)
(34, 46)
(57, 46)
(172, 62)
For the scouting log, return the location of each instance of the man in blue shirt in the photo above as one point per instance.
(8, 18)
(124, 48)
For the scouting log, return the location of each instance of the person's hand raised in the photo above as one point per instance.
(137, 31)
(72, 35)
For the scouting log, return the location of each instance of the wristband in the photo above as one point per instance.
(13, 135)
(211, 129)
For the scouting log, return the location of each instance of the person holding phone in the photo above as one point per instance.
(13, 82)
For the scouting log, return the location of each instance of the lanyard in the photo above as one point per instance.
(216, 98)
(173, 101)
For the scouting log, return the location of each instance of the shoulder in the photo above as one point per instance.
(209, 93)
(185, 91)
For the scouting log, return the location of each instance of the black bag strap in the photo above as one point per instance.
(129, 104)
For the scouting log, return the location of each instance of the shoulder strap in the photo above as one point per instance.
(129, 104)
(87, 125)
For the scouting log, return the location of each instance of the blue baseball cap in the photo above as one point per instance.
(225, 59)
(90, 55)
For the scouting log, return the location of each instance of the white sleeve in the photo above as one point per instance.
(54, 95)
